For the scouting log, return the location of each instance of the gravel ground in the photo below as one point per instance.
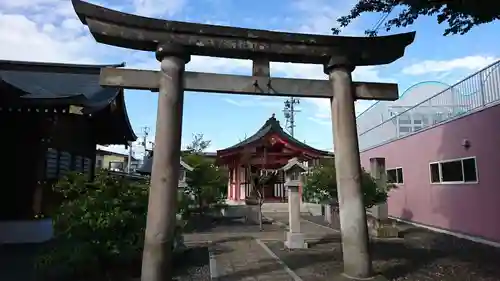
(420, 255)
(193, 264)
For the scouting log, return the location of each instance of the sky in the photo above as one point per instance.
(49, 31)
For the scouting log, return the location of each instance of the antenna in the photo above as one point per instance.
(289, 111)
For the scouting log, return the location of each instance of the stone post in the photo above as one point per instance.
(354, 231)
(294, 237)
(161, 219)
(380, 226)
(328, 213)
(378, 173)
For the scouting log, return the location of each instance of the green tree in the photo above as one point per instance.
(207, 183)
(321, 187)
(461, 15)
(198, 145)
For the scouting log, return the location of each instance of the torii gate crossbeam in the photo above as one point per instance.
(174, 42)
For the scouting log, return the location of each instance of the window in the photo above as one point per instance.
(404, 129)
(405, 118)
(64, 163)
(454, 171)
(182, 174)
(395, 175)
(78, 163)
(116, 166)
(51, 163)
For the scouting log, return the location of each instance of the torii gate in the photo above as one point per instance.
(174, 42)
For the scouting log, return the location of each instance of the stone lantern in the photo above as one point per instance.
(293, 181)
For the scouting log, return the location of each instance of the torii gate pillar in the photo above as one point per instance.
(161, 224)
(356, 255)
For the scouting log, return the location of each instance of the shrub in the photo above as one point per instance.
(99, 228)
(321, 187)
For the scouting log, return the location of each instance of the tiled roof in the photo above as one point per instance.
(272, 125)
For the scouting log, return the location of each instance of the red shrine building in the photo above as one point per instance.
(269, 148)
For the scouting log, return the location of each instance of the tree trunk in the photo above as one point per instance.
(260, 216)
(260, 198)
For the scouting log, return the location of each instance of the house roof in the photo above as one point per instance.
(57, 84)
(101, 151)
(147, 166)
(272, 126)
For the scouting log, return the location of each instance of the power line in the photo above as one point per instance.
(381, 20)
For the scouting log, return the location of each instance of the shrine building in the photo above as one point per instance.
(53, 115)
(270, 148)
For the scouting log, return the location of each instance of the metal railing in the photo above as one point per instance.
(477, 91)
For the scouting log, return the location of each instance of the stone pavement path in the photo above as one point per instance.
(218, 233)
(246, 260)
(310, 229)
(238, 252)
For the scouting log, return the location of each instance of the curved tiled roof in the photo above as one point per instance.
(58, 84)
(272, 126)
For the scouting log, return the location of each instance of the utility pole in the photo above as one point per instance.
(289, 111)
(145, 133)
(130, 152)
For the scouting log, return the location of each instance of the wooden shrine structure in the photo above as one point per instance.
(270, 148)
(175, 42)
(52, 116)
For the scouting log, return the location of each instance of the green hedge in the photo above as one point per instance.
(99, 229)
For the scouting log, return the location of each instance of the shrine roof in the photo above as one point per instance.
(272, 126)
(58, 84)
(294, 162)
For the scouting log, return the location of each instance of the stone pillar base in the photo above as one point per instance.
(295, 241)
(382, 229)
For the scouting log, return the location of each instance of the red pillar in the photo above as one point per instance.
(237, 183)
(231, 183)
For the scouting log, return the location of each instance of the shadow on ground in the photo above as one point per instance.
(193, 264)
(17, 262)
(419, 255)
(218, 224)
(264, 266)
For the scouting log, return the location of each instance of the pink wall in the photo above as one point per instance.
(472, 209)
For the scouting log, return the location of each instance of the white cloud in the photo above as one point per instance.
(320, 15)
(25, 39)
(153, 8)
(470, 63)
(250, 102)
